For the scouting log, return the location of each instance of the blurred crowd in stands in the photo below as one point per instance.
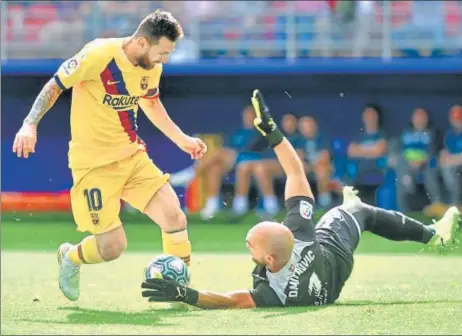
(421, 160)
(244, 28)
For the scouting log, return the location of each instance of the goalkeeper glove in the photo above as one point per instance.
(264, 122)
(166, 290)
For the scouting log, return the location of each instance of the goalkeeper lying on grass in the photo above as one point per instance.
(299, 264)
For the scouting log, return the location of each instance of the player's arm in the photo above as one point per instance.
(156, 113)
(44, 102)
(26, 138)
(356, 150)
(162, 290)
(69, 73)
(296, 184)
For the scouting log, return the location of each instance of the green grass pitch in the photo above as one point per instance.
(395, 288)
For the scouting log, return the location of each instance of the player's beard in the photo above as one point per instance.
(145, 63)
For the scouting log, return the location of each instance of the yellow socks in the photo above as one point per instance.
(177, 244)
(85, 253)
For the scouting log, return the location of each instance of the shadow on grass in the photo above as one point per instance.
(277, 312)
(84, 316)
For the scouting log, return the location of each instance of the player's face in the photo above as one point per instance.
(152, 54)
(420, 119)
(307, 126)
(258, 255)
(456, 117)
(370, 118)
(289, 124)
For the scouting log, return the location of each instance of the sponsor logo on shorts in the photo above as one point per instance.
(306, 209)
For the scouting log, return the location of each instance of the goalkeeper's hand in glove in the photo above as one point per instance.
(264, 122)
(166, 290)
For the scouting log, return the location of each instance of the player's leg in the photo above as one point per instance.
(95, 199)
(221, 157)
(164, 209)
(322, 171)
(397, 226)
(452, 177)
(241, 194)
(214, 180)
(148, 190)
(405, 184)
(265, 171)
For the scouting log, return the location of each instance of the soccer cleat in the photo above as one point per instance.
(350, 196)
(69, 274)
(445, 229)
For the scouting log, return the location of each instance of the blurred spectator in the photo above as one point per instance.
(213, 167)
(316, 151)
(417, 161)
(367, 152)
(451, 157)
(69, 23)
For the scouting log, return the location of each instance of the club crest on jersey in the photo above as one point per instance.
(144, 82)
(306, 209)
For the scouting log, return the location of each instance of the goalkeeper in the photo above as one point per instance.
(298, 264)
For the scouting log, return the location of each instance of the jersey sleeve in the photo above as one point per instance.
(299, 217)
(265, 297)
(76, 69)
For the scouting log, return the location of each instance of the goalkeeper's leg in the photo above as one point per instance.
(397, 226)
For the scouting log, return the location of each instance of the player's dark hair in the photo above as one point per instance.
(160, 24)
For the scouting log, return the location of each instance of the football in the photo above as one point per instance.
(167, 266)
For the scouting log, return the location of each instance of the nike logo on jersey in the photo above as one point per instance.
(112, 83)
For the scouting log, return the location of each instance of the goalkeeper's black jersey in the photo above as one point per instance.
(304, 281)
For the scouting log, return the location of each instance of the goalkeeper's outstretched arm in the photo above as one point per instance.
(297, 184)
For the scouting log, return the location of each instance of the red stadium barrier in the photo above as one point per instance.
(35, 201)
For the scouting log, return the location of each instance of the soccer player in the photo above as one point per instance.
(298, 264)
(109, 162)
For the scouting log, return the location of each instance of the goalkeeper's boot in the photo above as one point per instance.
(445, 228)
(69, 274)
(350, 196)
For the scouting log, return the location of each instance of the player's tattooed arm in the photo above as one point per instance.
(44, 102)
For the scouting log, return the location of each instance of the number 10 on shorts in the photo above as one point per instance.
(94, 199)
(94, 202)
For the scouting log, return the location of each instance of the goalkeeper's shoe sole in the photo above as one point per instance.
(445, 228)
(69, 274)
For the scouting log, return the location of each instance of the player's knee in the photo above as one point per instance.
(112, 249)
(175, 219)
(244, 169)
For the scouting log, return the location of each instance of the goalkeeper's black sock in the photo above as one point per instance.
(397, 226)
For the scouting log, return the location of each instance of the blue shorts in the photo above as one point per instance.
(247, 157)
